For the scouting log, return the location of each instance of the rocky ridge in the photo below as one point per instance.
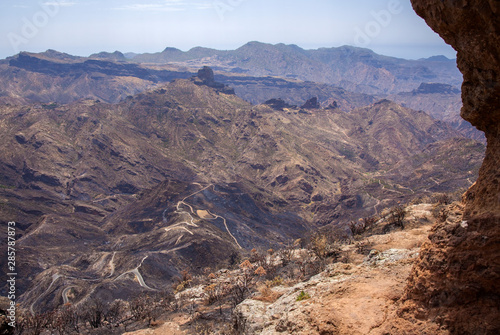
(443, 102)
(52, 76)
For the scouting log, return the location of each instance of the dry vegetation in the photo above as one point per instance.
(207, 301)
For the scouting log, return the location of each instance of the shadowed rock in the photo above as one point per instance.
(206, 76)
(455, 283)
(312, 104)
(472, 29)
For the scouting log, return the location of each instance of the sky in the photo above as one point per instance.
(84, 27)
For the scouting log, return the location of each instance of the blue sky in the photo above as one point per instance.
(81, 27)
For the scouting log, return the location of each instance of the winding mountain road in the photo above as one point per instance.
(225, 224)
(191, 218)
(138, 276)
(65, 294)
(54, 278)
(190, 222)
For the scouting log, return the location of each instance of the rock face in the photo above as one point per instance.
(472, 28)
(455, 281)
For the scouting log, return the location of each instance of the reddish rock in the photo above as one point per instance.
(455, 283)
(472, 28)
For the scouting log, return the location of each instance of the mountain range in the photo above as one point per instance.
(355, 69)
(348, 77)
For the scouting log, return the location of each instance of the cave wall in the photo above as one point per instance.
(455, 283)
(472, 28)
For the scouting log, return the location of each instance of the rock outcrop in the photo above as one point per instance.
(311, 104)
(206, 77)
(455, 283)
(277, 104)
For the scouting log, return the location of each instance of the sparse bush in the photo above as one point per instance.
(320, 246)
(369, 222)
(66, 320)
(285, 254)
(363, 248)
(357, 228)
(239, 287)
(397, 215)
(115, 312)
(138, 307)
(239, 322)
(213, 327)
(211, 291)
(259, 258)
(215, 293)
(260, 271)
(93, 312)
(246, 265)
(267, 294)
(276, 281)
(303, 296)
(323, 247)
(145, 308)
(179, 287)
(239, 290)
(265, 262)
(33, 324)
(443, 199)
(255, 256)
(316, 266)
(182, 282)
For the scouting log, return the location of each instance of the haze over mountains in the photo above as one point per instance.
(356, 69)
(349, 76)
(150, 166)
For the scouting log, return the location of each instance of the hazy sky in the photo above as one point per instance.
(83, 27)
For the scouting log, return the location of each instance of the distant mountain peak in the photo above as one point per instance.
(170, 49)
(384, 102)
(117, 55)
(438, 58)
(53, 54)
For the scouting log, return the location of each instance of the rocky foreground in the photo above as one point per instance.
(360, 294)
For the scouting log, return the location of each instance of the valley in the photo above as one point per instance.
(123, 174)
